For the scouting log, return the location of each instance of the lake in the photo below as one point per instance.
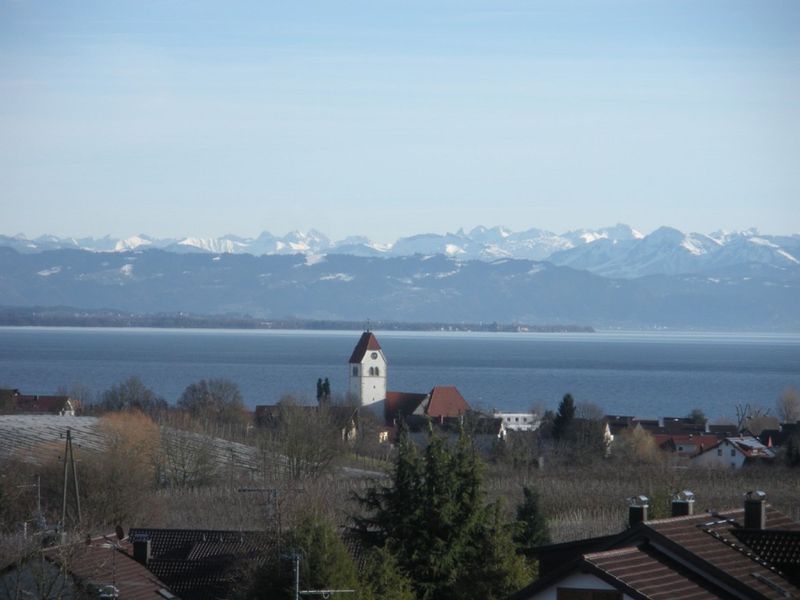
(645, 374)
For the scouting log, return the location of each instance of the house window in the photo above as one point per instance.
(733, 451)
(355, 371)
(719, 451)
(587, 594)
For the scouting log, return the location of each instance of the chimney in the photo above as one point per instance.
(755, 510)
(683, 504)
(141, 550)
(637, 510)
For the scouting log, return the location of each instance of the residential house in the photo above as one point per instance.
(686, 444)
(12, 402)
(484, 432)
(734, 452)
(518, 421)
(101, 567)
(442, 402)
(198, 564)
(778, 437)
(743, 553)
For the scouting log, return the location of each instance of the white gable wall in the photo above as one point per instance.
(575, 581)
(724, 455)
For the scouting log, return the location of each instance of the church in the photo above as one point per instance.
(368, 373)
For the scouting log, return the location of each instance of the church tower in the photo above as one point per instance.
(368, 371)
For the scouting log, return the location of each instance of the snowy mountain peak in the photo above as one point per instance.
(133, 242)
(617, 251)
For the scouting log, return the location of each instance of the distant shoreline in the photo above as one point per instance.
(72, 317)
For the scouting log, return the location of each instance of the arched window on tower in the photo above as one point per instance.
(372, 370)
(377, 371)
(355, 371)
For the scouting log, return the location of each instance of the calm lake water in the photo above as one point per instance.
(644, 374)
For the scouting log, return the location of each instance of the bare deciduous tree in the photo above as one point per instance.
(216, 400)
(746, 412)
(187, 459)
(131, 394)
(302, 441)
(116, 482)
(788, 405)
(27, 572)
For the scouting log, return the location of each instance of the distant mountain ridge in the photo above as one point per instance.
(619, 251)
(418, 288)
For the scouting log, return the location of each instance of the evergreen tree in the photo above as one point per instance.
(433, 518)
(324, 563)
(326, 389)
(383, 579)
(697, 416)
(393, 511)
(792, 450)
(496, 570)
(319, 389)
(531, 528)
(564, 417)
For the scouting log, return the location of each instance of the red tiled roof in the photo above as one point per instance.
(708, 539)
(651, 574)
(446, 401)
(401, 403)
(366, 343)
(100, 564)
(692, 557)
(40, 404)
(700, 441)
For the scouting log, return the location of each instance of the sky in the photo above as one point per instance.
(388, 118)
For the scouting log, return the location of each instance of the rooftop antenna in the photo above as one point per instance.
(296, 556)
(39, 520)
(69, 460)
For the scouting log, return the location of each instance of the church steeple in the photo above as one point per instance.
(368, 370)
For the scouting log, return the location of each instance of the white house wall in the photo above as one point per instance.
(575, 581)
(712, 457)
(519, 421)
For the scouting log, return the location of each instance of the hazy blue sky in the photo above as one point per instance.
(387, 118)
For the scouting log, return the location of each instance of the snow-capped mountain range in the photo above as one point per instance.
(619, 251)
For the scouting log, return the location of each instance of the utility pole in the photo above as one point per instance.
(69, 460)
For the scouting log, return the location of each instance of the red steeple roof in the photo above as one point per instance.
(367, 342)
